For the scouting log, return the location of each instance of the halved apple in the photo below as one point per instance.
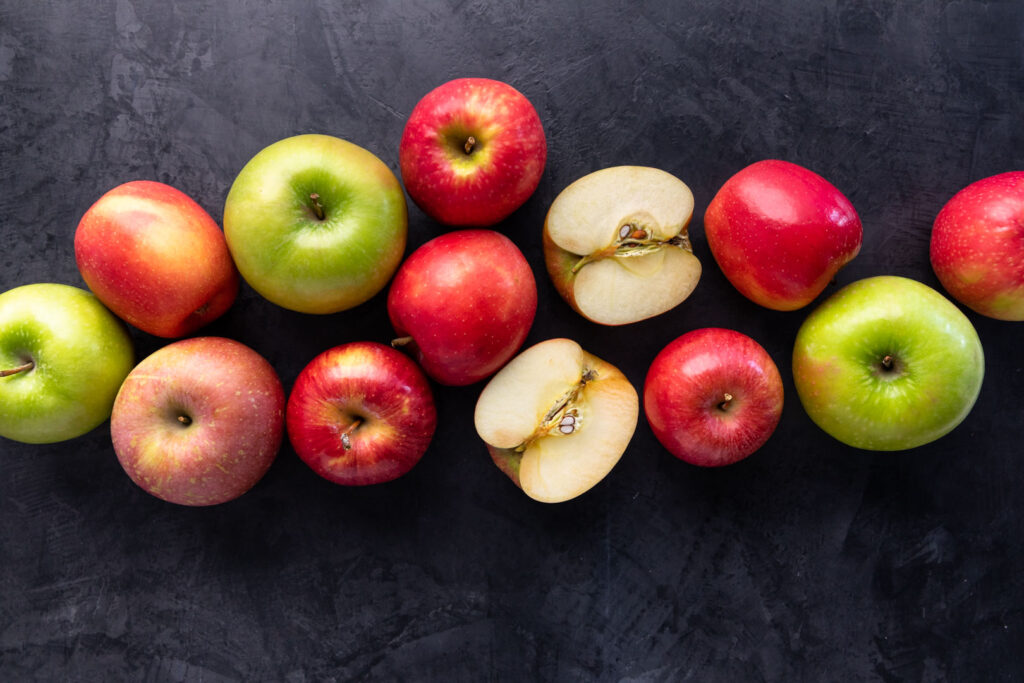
(616, 244)
(556, 419)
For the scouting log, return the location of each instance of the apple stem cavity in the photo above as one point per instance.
(887, 362)
(14, 371)
(346, 438)
(185, 420)
(318, 208)
(726, 402)
(470, 143)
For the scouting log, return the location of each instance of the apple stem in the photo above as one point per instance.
(14, 371)
(346, 440)
(470, 143)
(318, 208)
(400, 341)
(726, 401)
(887, 362)
(185, 420)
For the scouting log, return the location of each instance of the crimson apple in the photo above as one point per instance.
(199, 421)
(361, 413)
(464, 302)
(472, 152)
(977, 246)
(156, 259)
(713, 396)
(779, 232)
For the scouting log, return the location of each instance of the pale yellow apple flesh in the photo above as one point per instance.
(624, 252)
(557, 419)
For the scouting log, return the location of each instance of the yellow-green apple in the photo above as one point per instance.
(780, 232)
(887, 363)
(63, 356)
(472, 152)
(199, 421)
(557, 419)
(316, 224)
(463, 303)
(361, 413)
(616, 244)
(977, 246)
(713, 396)
(156, 259)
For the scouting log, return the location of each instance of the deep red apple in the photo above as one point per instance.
(464, 302)
(779, 232)
(472, 152)
(199, 421)
(361, 413)
(156, 259)
(977, 246)
(713, 396)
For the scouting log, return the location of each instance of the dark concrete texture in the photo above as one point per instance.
(809, 561)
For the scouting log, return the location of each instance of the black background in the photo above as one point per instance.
(808, 561)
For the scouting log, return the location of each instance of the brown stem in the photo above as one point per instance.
(470, 142)
(401, 341)
(14, 371)
(726, 402)
(346, 440)
(887, 362)
(185, 420)
(318, 208)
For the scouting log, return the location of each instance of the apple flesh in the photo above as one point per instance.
(361, 413)
(155, 258)
(557, 419)
(199, 421)
(780, 232)
(472, 152)
(977, 246)
(63, 356)
(616, 244)
(316, 224)
(713, 396)
(887, 363)
(463, 303)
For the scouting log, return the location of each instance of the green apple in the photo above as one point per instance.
(887, 364)
(316, 224)
(63, 357)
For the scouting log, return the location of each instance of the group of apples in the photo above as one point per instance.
(318, 225)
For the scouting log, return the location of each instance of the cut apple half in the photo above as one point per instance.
(616, 244)
(556, 419)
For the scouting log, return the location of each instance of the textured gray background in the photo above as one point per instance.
(809, 561)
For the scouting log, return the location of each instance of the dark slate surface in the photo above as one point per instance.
(809, 561)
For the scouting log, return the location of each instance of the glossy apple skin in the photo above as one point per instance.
(467, 299)
(483, 187)
(287, 253)
(780, 232)
(80, 353)
(937, 364)
(381, 388)
(234, 404)
(713, 396)
(977, 246)
(156, 259)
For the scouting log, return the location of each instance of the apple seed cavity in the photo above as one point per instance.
(564, 417)
(633, 240)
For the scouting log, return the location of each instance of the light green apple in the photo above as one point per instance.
(63, 357)
(887, 363)
(316, 224)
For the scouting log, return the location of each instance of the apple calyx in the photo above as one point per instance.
(14, 371)
(346, 438)
(633, 240)
(318, 208)
(564, 417)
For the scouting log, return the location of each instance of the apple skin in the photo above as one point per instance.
(373, 384)
(467, 299)
(297, 260)
(780, 232)
(483, 186)
(80, 353)
(929, 385)
(977, 246)
(713, 396)
(231, 406)
(156, 259)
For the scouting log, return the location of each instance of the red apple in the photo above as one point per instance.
(199, 421)
(779, 232)
(361, 413)
(472, 152)
(156, 259)
(713, 396)
(977, 246)
(464, 302)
